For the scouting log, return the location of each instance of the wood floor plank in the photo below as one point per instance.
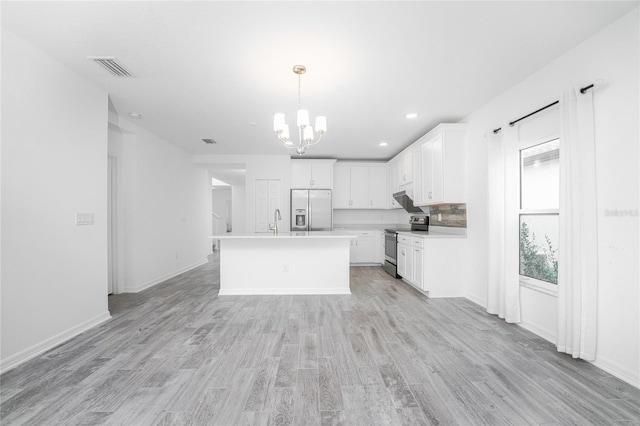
(262, 381)
(367, 369)
(178, 354)
(308, 351)
(236, 395)
(306, 407)
(282, 412)
(330, 396)
(287, 373)
(355, 408)
(396, 385)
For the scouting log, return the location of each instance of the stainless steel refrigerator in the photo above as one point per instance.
(311, 210)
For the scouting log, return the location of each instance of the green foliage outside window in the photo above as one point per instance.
(537, 262)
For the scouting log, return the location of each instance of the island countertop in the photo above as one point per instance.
(336, 234)
(315, 262)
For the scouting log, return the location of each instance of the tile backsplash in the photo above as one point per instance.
(452, 215)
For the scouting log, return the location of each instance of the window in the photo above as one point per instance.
(539, 208)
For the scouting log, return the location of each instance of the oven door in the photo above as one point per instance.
(390, 247)
(390, 254)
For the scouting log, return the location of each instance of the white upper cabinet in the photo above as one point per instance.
(312, 174)
(342, 187)
(393, 183)
(442, 166)
(360, 186)
(378, 187)
(406, 168)
(438, 166)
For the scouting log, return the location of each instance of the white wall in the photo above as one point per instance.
(611, 55)
(238, 208)
(256, 167)
(166, 206)
(54, 164)
(220, 197)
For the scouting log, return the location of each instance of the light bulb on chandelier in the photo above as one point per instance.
(306, 137)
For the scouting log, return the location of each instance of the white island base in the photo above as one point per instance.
(289, 263)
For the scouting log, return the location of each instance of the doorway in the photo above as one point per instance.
(112, 225)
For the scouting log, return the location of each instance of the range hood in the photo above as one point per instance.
(406, 202)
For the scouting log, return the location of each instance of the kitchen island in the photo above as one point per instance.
(308, 262)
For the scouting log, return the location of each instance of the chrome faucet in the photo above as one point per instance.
(276, 218)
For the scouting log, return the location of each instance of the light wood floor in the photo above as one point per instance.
(179, 354)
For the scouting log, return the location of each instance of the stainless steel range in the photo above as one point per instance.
(417, 223)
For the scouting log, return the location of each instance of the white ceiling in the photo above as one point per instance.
(222, 69)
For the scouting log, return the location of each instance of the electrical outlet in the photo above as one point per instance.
(84, 219)
(285, 268)
(439, 217)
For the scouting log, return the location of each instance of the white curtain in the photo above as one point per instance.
(503, 296)
(578, 244)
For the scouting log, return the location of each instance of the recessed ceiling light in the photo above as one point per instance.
(411, 115)
(383, 144)
(253, 124)
(135, 115)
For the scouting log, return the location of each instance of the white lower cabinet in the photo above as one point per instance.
(433, 264)
(366, 248)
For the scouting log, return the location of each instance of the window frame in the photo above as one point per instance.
(525, 281)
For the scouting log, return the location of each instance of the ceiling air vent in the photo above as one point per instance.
(209, 141)
(109, 63)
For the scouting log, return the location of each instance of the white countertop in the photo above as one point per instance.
(436, 234)
(281, 235)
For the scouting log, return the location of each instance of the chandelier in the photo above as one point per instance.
(306, 138)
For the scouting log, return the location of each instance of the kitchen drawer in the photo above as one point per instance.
(417, 242)
(404, 239)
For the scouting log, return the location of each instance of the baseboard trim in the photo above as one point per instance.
(477, 300)
(538, 331)
(25, 355)
(604, 364)
(618, 371)
(158, 280)
(282, 291)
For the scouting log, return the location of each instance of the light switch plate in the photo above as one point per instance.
(84, 219)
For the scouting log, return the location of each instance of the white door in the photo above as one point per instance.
(274, 202)
(262, 205)
(267, 200)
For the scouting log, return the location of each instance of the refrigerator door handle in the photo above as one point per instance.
(310, 214)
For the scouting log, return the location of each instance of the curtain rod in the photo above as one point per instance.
(582, 90)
